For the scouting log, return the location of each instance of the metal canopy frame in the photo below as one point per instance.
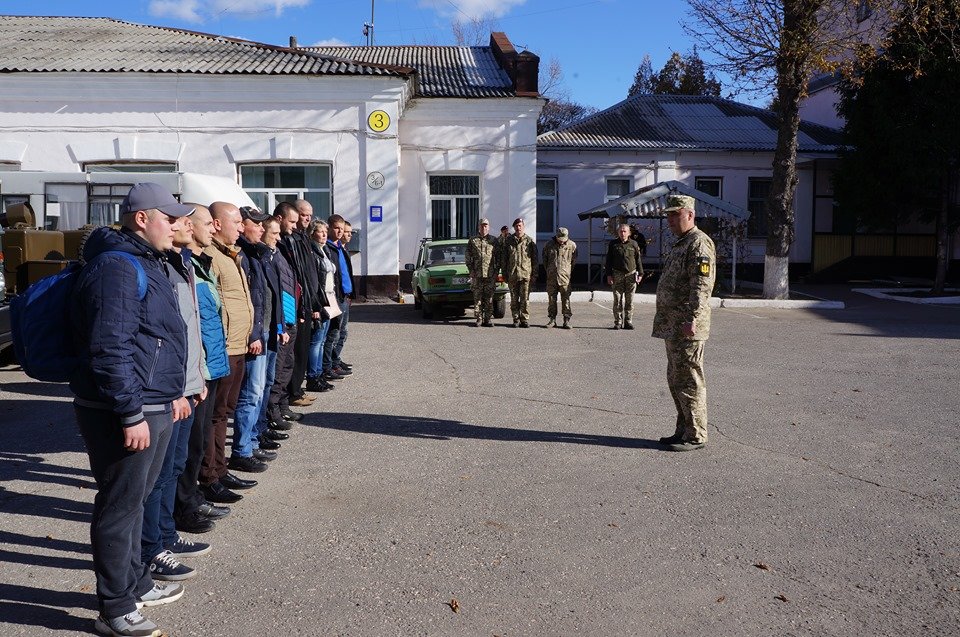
(650, 201)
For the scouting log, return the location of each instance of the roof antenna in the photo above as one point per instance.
(368, 26)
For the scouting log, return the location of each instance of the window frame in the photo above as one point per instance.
(554, 198)
(757, 205)
(145, 167)
(607, 197)
(288, 191)
(719, 181)
(454, 231)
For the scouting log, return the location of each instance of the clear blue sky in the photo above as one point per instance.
(598, 43)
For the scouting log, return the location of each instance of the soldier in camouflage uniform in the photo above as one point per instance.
(483, 263)
(683, 321)
(623, 270)
(559, 256)
(519, 263)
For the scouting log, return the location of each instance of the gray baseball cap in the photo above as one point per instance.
(149, 196)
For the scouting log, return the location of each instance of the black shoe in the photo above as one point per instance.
(347, 366)
(332, 375)
(628, 326)
(524, 324)
(686, 445)
(212, 511)
(216, 492)
(265, 443)
(273, 434)
(292, 416)
(342, 371)
(616, 326)
(249, 465)
(487, 323)
(280, 425)
(669, 440)
(264, 456)
(233, 482)
(313, 384)
(195, 523)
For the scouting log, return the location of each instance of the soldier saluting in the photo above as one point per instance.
(683, 321)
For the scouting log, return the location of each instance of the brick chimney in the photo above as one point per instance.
(523, 68)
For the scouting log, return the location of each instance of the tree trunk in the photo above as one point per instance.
(799, 20)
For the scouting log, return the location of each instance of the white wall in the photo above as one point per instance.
(493, 138)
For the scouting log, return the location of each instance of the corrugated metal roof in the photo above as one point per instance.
(443, 71)
(685, 122)
(51, 44)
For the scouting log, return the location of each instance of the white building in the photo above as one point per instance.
(404, 142)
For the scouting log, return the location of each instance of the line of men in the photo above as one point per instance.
(515, 256)
(209, 317)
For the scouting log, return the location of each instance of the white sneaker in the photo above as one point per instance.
(161, 593)
(130, 625)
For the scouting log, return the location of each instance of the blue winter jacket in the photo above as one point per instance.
(216, 362)
(253, 266)
(132, 352)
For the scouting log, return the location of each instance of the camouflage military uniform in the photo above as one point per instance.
(683, 296)
(519, 263)
(623, 264)
(558, 260)
(483, 262)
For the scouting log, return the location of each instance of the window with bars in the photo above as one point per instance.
(546, 205)
(454, 206)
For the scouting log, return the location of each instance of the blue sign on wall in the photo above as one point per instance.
(376, 213)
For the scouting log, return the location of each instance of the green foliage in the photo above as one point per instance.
(902, 131)
(681, 75)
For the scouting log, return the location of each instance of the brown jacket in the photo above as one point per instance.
(237, 309)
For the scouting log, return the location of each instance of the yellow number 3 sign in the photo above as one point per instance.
(378, 121)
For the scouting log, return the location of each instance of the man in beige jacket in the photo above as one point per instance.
(237, 314)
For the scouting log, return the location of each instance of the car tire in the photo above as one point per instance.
(417, 303)
(427, 308)
(499, 307)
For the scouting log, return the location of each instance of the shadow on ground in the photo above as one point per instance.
(438, 429)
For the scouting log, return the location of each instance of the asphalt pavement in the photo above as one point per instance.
(499, 481)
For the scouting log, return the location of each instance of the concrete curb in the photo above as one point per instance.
(891, 295)
(604, 296)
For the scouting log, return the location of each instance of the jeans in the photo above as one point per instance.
(269, 379)
(317, 340)
(159, 531)
(123, 480)
(248, 404)
(342, 336)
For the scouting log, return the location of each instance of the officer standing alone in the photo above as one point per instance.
(683, 321)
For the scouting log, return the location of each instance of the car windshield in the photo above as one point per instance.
(441, 254)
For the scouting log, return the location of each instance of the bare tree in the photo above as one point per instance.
(474, 31)
(560, 110)
(777, 46)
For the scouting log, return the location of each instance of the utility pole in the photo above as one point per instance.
(368, 26)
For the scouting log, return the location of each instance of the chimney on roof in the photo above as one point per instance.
(523, 68)
(293, 41)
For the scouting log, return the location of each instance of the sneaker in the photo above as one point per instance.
(188, 548)
(345, 365)
(343, 371)
(332, 375)
(313, 384)
(166, 568)
(212, 511)
(161, 593)
(194, 523)
(130, 625)
(292, 416)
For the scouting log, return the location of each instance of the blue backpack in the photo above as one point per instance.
(40, 322)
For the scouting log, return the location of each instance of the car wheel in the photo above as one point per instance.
(427, 308)
(499, 307)
(416, 300)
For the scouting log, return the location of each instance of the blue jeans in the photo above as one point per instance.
(159, 531)
(342, 336)
(123, 480)
(249, 404)
(269, 378)
(317, 340)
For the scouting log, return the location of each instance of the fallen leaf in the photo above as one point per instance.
(782, 598)
(762, 566)
(614, 525)
(454, 605)
(49, 537)
(721, 599)
(86, 588)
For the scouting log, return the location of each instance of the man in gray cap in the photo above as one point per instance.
(483, 263)
(559, 257)
(683, 321)
(129, 391)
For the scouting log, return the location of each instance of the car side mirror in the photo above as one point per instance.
(408, 266)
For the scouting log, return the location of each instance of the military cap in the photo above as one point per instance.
(517, 220)
(679, 202)
(562, 233)
(484, 222)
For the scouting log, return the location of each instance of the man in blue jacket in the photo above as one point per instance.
(128, 386)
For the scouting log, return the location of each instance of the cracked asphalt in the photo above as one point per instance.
(513, 476)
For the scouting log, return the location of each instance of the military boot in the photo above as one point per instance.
(552, 323)
(566, 323)
(478, 321)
